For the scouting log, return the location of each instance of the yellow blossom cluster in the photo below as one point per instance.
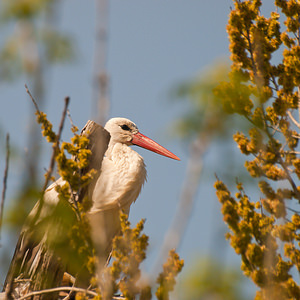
(166, 279)
(265, 232)
(69, 216)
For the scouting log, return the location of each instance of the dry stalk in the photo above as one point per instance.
(4, 181)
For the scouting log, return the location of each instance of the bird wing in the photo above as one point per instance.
(27, 255)
(33, 259)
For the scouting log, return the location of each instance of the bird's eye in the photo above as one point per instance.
(125, 127)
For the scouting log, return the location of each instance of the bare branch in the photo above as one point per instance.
(32, 99)
(70, 118)
(284, 166)
(293, 119)
(66, 289)
(59, 289)
(52, 160)
(4, 181)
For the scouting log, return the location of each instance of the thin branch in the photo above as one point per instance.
(282, 147)
(299, 102)
(291, 152)
(298, 38)
(59, 289)
(73, 285)
(4, 181)
(70, 119)
(65, 289)
(52, 160)
(274, 82)
(251, 53)
(293, 210)
(32, 99)
(283, 164)
(293, 119)
(277, 130)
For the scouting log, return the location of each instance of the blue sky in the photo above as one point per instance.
(152, 46)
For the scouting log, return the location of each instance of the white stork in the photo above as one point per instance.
(121, 178)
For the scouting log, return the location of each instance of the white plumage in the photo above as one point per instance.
(122, 176)
(123, 170)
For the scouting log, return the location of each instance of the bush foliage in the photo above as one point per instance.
(265, 91)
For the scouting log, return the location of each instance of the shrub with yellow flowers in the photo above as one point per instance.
(266, 92)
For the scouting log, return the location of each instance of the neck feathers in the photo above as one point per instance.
(122, 176)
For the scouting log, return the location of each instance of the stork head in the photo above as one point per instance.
(126, 132)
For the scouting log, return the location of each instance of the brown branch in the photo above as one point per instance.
(70, 118)
(282, 163)
(298, 38)
(67, 289)
(59, 289)
(299, 102)
(52, 160)
(251, 53)
(293, 119)
(278, 154)
(32, 99)
(4, 181)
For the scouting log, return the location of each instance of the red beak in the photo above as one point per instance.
(145, 142)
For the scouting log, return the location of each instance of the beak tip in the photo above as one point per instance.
(176, 158)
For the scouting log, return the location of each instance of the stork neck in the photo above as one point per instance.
(126, 161)
(121, 152)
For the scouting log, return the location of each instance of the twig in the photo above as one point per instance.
(52, 160)
(70, 118)
(65, 289)
(293, 210)
(73, 285)
(277, 130)
(298, 38)
(283, 164)
(293, 119)
(299, 103)
(59, 289)
(4, 181)
(32, 99)
(274, 82)
(291, 152)
(108, 259)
